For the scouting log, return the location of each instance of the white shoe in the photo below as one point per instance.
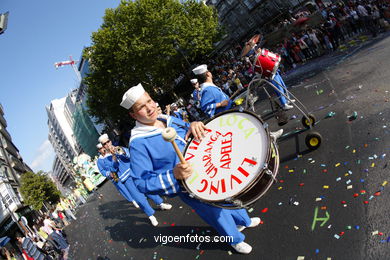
(153, 220)
(135, 204)
(287, 107)
(165, 206)
(276, 135)
(290, 101)
(254, 223)
(242, 248)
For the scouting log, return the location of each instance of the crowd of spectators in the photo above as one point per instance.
(342, 22)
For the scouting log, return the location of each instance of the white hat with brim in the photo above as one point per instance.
(193, 81)
(99, 146)
(103, 138)
(200, 69)
(132, 95)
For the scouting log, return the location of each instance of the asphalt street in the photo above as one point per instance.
(330, 203)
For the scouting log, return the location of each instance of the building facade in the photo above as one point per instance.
(60, 122)
(84, 128)
(71, 129)
(11, 169)
(244, 18)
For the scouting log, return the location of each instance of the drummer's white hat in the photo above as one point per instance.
(200, 69)
(132, 95)
(193, 81)
(99, 146)
(103, 138)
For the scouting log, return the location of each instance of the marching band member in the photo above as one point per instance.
(277, 81)
(119, 164)
(196, 93)
(103, 169)
(214, 100)
(156, 168)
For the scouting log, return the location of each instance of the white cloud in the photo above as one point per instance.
(43, 159)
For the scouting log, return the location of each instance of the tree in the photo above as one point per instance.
(145, 41)
(38, 188)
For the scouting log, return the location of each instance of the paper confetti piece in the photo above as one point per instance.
(326, 186)
(337, 164)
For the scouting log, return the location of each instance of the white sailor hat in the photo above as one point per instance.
(132, 95)
(99, 146)
(200, 69)
(103, 138)
(193, 81)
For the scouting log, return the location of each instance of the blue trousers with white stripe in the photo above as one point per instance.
(123, 191)
(140, 198)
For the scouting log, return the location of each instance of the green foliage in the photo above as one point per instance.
(37, 188)
(145, 41)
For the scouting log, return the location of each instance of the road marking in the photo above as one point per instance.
(316, 219)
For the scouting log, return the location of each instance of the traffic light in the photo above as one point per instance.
(3, 22)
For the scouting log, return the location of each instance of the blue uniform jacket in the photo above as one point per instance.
(151, 157)
(121, 166)
(210, 96)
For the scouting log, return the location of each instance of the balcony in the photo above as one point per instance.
(17, 165)
(5, 132)
(3, 122)
(10, 147)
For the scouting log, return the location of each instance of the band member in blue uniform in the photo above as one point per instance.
(103, 169)
(119, 165)
(196, 93)
(156, 168)
(213, 99)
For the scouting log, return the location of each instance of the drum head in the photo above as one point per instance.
(229, 158)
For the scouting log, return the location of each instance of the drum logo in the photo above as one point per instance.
(215, 154)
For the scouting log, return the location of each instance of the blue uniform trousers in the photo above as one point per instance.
(123, 190)
(279, 83)
(140, 198)
(225, 221)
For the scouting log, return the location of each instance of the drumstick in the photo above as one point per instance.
(169, 134)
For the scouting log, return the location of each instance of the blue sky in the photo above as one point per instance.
(40, 33)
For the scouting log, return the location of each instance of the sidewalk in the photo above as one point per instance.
(345, 50)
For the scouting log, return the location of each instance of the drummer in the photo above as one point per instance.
(277, 81)
(156, 169)
(214, 100)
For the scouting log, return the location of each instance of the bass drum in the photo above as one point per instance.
(236, 162)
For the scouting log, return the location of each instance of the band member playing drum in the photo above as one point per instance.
(213, 99)
(156, 169)
(264, 56)
(119, 163)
